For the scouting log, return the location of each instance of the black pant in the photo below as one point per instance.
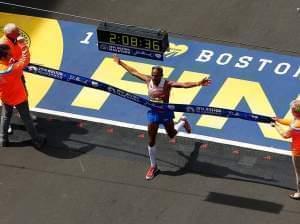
(23, 109)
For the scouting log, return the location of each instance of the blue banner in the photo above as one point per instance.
(83, 81)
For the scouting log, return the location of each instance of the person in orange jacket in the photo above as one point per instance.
(13, 92)
(10, 34)
(294, 133)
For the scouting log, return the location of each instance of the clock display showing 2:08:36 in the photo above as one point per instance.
(133, 41)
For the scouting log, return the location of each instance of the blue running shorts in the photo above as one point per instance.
(160, 117)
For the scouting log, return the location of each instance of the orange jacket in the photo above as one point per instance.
(295, 135)
(16, 51)
(12, 90)
(295, 145)
(294, 132)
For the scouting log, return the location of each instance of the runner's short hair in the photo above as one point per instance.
(159, 68)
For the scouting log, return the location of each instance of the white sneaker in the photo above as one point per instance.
(33, 117)
(186, 124)
(10, 130)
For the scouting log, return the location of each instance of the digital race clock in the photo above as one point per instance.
(132, 40)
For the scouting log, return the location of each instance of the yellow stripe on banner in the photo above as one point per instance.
(46, 47)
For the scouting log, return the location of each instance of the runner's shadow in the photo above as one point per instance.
(193, 165)
(207, 169)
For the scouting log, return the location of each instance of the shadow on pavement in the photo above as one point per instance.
(213, 165)
(243, 202)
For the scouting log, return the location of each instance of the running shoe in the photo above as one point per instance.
(151, 172)
(186, 124)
